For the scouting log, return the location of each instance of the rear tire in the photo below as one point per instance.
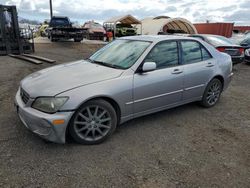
(212, 93)
(93, 122)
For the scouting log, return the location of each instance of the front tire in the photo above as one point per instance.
(93, 122)
(77, 40)
(52, 39)
(212, 93)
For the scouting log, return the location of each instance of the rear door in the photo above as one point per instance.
(198, 66)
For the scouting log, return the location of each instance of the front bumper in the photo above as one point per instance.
(41, 123)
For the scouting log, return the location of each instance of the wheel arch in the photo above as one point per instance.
(221, 78)
(110, 100)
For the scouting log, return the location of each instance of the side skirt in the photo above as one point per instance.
(140, 114)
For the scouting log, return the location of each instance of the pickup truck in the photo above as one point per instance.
(125, 30)
(61, 28)
(121, 30)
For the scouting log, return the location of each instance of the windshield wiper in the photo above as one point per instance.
(105, 64)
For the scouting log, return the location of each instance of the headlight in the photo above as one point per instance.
(247, 52)
(49, 104)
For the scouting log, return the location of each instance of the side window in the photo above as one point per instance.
(164, 54)
(205, 54)
(191, 52)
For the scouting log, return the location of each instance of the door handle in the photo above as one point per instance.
(210, 64)
(177, 71)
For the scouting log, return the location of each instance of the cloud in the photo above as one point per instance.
(240, 16)
(171, 9)
(245, 5)
(101, 10)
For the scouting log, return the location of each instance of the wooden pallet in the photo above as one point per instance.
(40, 58)
(32, 58)
(34, 61)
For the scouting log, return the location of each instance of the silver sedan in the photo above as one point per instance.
(128, 78)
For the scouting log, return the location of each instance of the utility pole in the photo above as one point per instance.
(51, 9)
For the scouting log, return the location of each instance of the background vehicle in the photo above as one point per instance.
(94, 31)
(247, 55)
(225, 45)
(245, 43)
(43, 30)
(61, 28)
(121, 29)
(128, 78)
(125, 30)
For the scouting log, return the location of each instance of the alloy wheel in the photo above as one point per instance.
(92, 123)
(213, 93)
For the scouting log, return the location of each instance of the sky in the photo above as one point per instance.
(196, 11)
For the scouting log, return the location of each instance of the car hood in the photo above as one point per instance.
(60, 78)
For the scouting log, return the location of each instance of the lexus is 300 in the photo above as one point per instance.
(128, 78)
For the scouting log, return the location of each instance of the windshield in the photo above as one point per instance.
(120, 53)
(59, 22)
(97, 25)
(219, 40)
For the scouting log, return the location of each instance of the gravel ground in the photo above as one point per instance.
(188, 146)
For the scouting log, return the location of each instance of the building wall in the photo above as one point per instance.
(223, 29)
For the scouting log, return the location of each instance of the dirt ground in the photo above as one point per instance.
(188, 146)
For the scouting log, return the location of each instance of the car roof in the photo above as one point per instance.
(156, 38)
(206, 35)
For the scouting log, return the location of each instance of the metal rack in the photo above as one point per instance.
(13, 40)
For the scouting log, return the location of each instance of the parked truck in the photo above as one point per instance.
(61, 28)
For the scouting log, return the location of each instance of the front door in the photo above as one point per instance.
(162, 87)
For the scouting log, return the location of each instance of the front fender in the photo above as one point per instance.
(118, 89)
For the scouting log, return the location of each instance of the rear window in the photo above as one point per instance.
(59, 22)
(198, 37)
(246, 41)
(219, 40)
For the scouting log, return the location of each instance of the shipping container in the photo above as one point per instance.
(241, 29)
(223, 29)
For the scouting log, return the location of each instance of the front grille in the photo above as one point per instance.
(98, 34)
(130, 31)
(24, 95)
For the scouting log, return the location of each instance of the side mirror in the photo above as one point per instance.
(148, 66)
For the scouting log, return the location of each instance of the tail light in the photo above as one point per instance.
(241, 50)
(221, 49)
